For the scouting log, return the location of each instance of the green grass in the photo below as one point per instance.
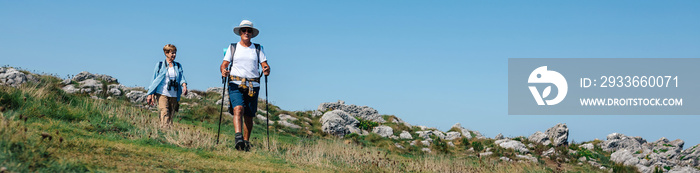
(47, 130)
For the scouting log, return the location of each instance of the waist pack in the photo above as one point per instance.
(246, 83)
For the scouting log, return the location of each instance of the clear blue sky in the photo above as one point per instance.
(430, 63)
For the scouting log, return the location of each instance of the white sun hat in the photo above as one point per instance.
(246, 24)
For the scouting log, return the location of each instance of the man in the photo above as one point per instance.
(241, 66)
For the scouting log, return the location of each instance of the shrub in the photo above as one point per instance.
(366, 124)
(477, 146)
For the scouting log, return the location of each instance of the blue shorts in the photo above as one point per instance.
(239, 97)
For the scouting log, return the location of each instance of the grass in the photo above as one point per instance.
(47, 130)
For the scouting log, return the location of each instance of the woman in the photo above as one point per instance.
(244, 58)
(167, 86)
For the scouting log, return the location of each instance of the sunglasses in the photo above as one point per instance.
(248, 30)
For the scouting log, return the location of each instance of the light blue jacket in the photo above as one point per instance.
(158, 77)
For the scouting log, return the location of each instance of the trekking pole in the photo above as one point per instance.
(267, 118)
(223, 93)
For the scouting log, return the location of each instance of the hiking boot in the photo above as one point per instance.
(247, 145)
(240, 144)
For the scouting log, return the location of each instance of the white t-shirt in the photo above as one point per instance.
(163, 87)
(245, 62)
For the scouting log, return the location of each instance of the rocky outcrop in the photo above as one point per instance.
(405, 135)
(137, 96)
(363, 112)
(618, 141)
(539, 137)
(87, 75)
(452, 135)
(383, 131)
(499, 136)
(338, 123)
(466, 132)
(559, 134)
(13, 77)
(635, 151)
(512, 144)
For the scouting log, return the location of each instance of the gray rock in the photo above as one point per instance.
(82, 76)
(363, 112)
(335, 122)
(316, 113)
(549, 152)
(66, 81)
(136, 96)
(114, 92)
(215, 89)
(426, 150)
(452, 136)
(690, 156)
(425, 142)
(527, 157)
(587, 146)
(424, 134)
(539, 137)
(70, 89)
(354, 129)
(499, 136)
(288, 124)
(505, 159)
(618, 141)
(466, 132)
(439, 134)
(285, 117)
(559, 134)
(450, 144)
(624, 156)
(686, 169)
(398, 146)
(90, 86)
(13, 77)
(398, 120)
(383, 131)
(512, 144)
(405, 135)
(192, 95)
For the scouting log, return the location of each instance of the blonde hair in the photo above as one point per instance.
(169, 48)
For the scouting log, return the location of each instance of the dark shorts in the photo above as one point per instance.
(239, 97)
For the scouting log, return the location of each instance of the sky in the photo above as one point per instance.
(429, 63)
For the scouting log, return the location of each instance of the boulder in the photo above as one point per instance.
(70, 89)
(540, 138)
(426, 150)
(690, 156)
(215, 89)
(316, 113)
(363, 112)
(90, 86)
(512, 144)
(559, 134)
(452, 136)
(624, 156)
(136, 96)
(398, 120)
(285, 117)
(527, 157)
(466, 132)
(192, 95)
(499, 136)
(288, 124)
(439, 134)
(383, 131)
(686, 169)
(82, 76)
(424, 134)
(405, 135)
(587, 146)
(337, 122)
(618, 141)
(549, 152)
(13, 77)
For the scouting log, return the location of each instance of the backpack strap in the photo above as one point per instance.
(257, 52)
(160, 65)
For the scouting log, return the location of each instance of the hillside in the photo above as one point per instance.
(92, 123)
